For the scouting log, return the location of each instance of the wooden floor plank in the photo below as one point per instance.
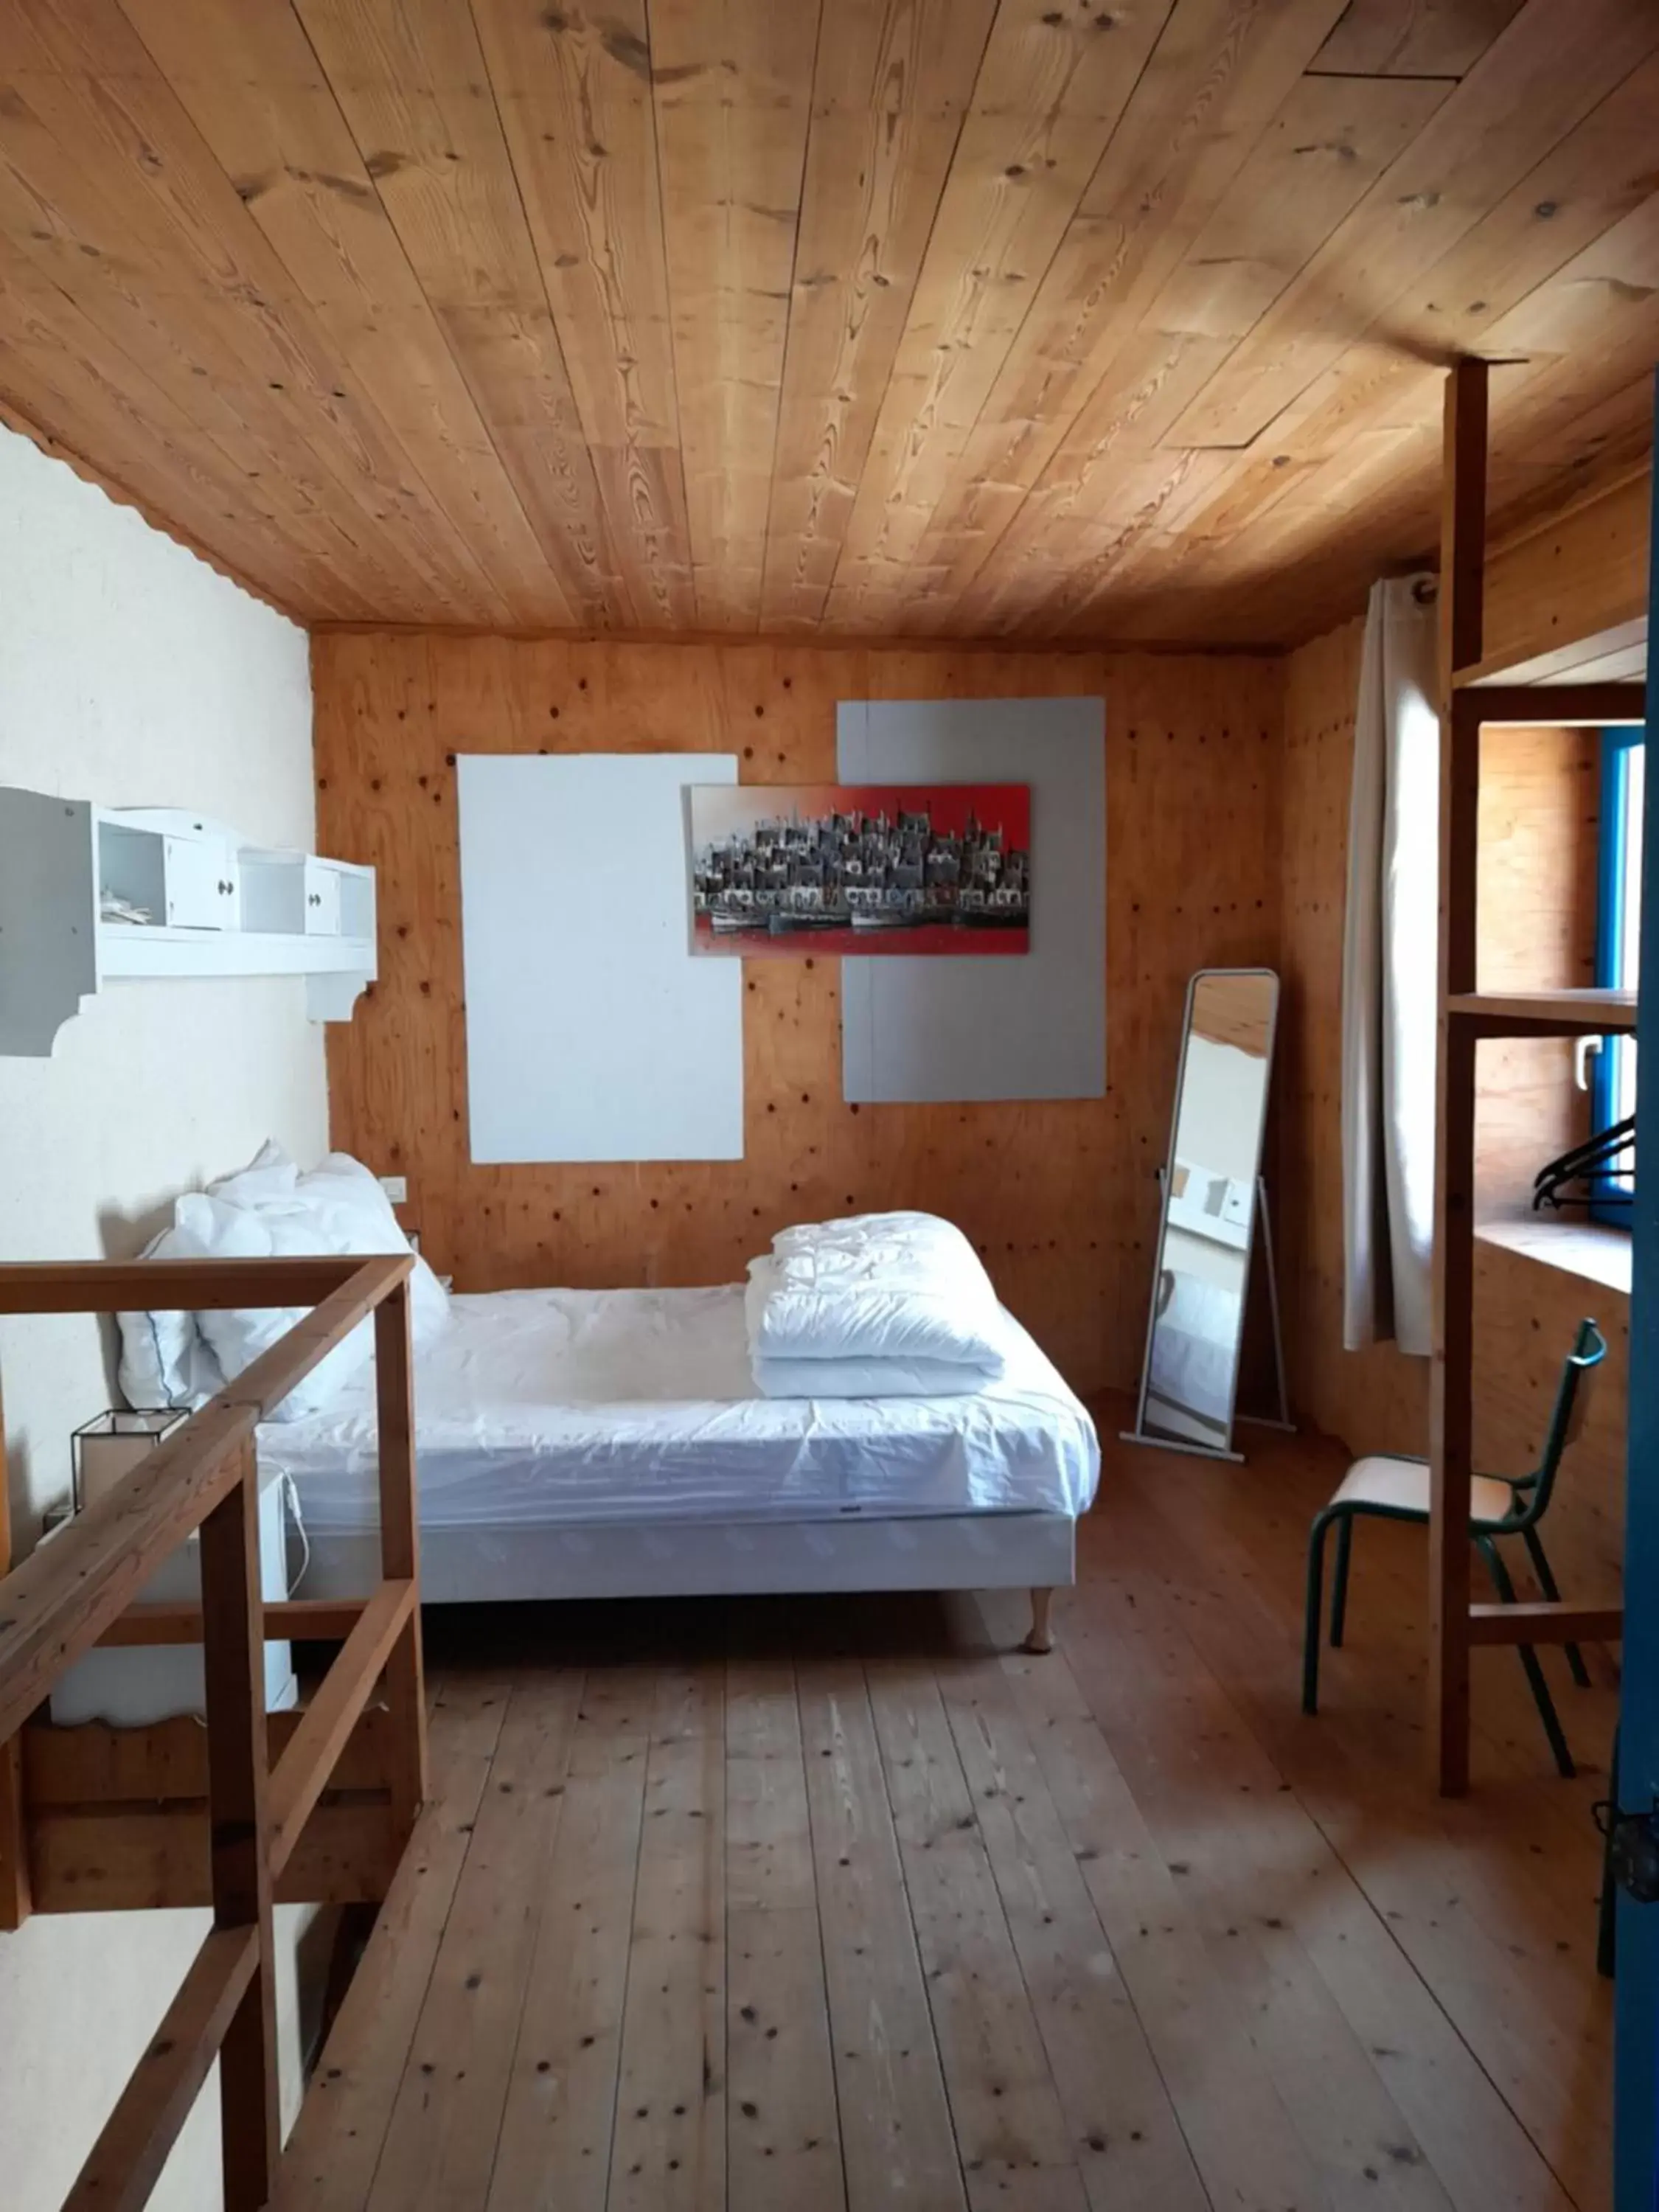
(555, 2149)
(882, 1912)
(897, 2138)
(783, 2134)
(1125, 2132)
(1011, 2132)
(335, 2145)
(440, 2145)
(1501, 1936)
(668, 2153)
(1243, 2142)
(1248, 1885)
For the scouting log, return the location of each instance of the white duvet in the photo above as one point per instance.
(548, 1406)
(897, 1294)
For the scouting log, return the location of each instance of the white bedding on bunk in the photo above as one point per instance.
(547, 1406)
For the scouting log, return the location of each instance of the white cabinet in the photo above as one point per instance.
(201, 884)
(167, 870)
(322, 899)
(89, 895)
(312, 897)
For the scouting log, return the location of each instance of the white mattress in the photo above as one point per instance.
(540, 1408)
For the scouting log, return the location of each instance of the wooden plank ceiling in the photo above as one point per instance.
(1071, 319)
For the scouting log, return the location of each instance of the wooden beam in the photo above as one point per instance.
(55, 1605)
(302, 1772)
(232, 1663)
(145, 1858)
(1554, 706)
(59, 1286)
(302, 1619)
(126, 2162)
(1463, 519)
(400, 1551)
(1462, 563)
(1542, 1622)
(91, 1767)
(1546, 1013)
(267, 1381)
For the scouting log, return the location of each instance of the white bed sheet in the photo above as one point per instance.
(558, 1407)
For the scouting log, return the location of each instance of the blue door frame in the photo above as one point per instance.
(1637, 2052)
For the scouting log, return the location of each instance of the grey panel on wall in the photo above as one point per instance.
(978, 1027)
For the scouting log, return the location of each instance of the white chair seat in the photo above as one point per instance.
(1401, 1485)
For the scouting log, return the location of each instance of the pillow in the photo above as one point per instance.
(904, 1286)
(165, 1360)
(264, 1210)
(347, 1206)
(208, 1228)
(269, 1174)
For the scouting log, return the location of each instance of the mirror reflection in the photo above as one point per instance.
(1209, 1208)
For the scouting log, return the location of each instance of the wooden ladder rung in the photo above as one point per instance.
(301, 1774)
(1554, 705)
(1546, 1623)
(305, 1620)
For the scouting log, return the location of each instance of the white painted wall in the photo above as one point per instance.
(130, 674)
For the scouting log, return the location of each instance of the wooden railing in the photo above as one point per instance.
(76, 1592)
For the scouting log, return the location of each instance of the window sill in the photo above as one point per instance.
(1591, 1249)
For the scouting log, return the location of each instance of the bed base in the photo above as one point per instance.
(752, 1559)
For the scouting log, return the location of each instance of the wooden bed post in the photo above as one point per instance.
(1041, 1639)
(405, 1687)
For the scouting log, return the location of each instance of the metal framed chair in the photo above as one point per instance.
(1392, 1488)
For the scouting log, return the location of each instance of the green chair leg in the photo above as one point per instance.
(1310, 1626)
(1340, 1583)
(1547, 1583)
(1535, 1673)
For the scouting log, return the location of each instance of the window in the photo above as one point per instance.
(1618, 952)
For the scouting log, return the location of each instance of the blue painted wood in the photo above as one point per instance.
(1636, 2063)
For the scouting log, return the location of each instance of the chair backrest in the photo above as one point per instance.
(1567, 1418)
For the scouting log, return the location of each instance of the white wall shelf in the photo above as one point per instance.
(207, 903)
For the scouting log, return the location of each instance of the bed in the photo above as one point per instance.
(607, 1443)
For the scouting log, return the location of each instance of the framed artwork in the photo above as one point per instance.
(849, 868)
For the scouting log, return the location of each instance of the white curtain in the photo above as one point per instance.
(1389, 975)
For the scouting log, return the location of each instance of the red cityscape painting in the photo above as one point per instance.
(861, 868)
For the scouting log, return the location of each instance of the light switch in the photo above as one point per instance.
(396, 1188)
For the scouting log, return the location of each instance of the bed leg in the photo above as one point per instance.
(1042, 1637)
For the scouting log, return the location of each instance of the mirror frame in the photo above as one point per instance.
(1140, 1434)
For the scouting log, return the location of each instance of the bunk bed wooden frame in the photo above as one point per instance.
(1475, 695)
(313, 1806)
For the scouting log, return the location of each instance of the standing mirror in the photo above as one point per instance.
(1211, 1205)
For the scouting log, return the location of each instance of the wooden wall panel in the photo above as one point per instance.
(1583, 570)
(1538, 798)
(1060, 1197)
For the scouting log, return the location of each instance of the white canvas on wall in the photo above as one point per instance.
(592, 1032)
